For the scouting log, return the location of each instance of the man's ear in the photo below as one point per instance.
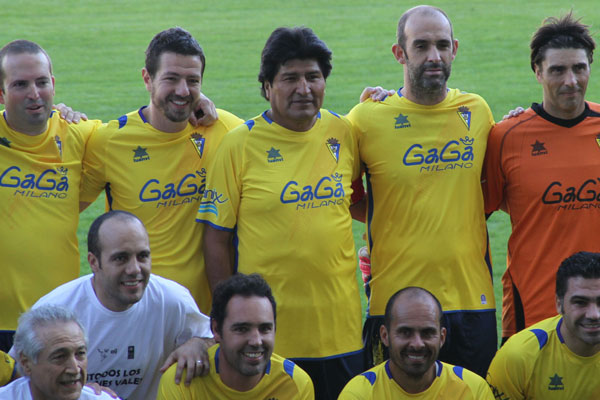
(399, 53)
(25, 364)
(383, 334)
(215, 331)
(147, 79)
(94, 262)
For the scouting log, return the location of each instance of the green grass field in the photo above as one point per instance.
(98, 47)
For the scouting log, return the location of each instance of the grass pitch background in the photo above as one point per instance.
(97, 48)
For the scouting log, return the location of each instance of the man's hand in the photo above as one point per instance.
(99, 389)
(68, 114)
(513, 113)
(375, 93)
(205, 114)
(191, 355)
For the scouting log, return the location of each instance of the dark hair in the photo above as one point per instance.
(18, 47)
(400, 34)
(174, 40)
(583, 264)
(387, 318)
(563, 33)
(243, 285)
(298, 43)
(93, 239)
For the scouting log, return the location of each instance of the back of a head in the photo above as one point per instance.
(287, 44)
(560, 33)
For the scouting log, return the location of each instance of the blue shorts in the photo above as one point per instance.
(471, 340)
(330, 375)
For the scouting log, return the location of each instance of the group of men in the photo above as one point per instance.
(275, 196)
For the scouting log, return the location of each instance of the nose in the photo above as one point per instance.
(416, 341)
(593, 311)
(255, 338)
(133, 267)
(570, 78)
(34, 92)
(182, 88)
(303, 87)
(433, 54)
(72, 365)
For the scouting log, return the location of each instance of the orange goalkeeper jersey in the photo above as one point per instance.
(545, 173)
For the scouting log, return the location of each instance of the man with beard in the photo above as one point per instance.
(51, 347)
(242, 364)
(422, 150)
(413, 333)
(153, 162)
(559, 357)
(541, 168)
(139, 323)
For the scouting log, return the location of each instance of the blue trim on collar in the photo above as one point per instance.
(264, 115)
(142, 114)
(542, 336)
(560, 336)
(438, 367)
(217, 359)
(458, 371)
(388, 371)
(371, 376)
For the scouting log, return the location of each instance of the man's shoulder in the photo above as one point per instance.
(131, 119)
(88, 394)
(228, 119)
(17, 389)
(529, 343)
(166, 290)
(64, 294)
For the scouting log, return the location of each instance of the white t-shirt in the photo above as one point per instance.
(126, 349)
(19, 390)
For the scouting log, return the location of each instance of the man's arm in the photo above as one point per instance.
(193, 356)
(218, 251)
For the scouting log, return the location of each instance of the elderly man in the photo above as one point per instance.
(243, 320)
(541, 169)
(51, 347)
(559, 357)
(413, 333)
(153, 162)
(281, 183)
(140, 323)
(40, 170)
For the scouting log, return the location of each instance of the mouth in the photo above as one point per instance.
(132, 283)
(35, 107)
(253, 357)
(72, 383)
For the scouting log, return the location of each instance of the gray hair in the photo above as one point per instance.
(27, 341)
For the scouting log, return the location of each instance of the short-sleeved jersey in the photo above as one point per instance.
(127, 348)
(39, 204)
(451, 383)
(282, 380)
(537, 364)
(426, 225)
(7, 368)
(160, 178)
(20, 390)
(543, 171)
(286, 195)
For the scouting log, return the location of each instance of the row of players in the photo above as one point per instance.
(278, 189)
(127, 347)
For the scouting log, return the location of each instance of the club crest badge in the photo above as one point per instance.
(334, 148)
(198, 142)
(465, 115)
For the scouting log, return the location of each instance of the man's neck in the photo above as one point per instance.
(412, 384)
(425, 99)
(160, 122)
(26, 130)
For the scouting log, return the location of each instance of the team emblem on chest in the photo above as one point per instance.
(333, 145)
(198, 142)
(465, 116)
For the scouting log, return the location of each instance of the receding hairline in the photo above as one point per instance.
(125, 218)
(417, 293)
(421, 10)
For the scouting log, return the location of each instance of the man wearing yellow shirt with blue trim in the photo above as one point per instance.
(242, 364)
(40, 171)
(559, 357)
(413, 333)
(153, 163)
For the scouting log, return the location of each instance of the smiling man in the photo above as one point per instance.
(51, 347)
(242, 364)
(558, 358)
(280, 187)
(153, 162)
(40, 171)
(413, 333)
(541, 168)
(139, 323)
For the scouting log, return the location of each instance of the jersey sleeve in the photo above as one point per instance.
(507, 375)
(479, 387)
(359, 388)
(169, 390)
(306, 390)
(221, 199)
(493, 179)
(7, 368)
(228, 119)
(195, 323)
(93, 178)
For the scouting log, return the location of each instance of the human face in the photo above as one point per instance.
(27, 92)
(60, 371)
(246, 339)
(580, 308)
(174, 90)
(564, 75)
(122, 272)
(414, 338)
(428, 55)
(296, 94)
